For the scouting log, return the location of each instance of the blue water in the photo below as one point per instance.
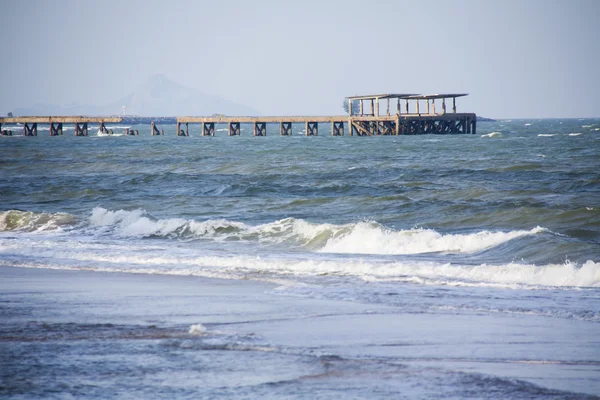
(502, 223)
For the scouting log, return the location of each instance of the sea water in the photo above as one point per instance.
(500, 226)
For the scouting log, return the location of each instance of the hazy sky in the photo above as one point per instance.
(516, 58)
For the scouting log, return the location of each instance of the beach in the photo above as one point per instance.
(93, 334)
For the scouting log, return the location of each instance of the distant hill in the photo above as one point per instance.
(157, 96)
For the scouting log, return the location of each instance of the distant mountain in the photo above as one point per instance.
(157, 96)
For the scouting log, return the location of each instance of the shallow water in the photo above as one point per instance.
(502, 224)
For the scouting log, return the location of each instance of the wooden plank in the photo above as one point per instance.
(63, 120)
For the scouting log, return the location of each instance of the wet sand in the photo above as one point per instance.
(86, 333)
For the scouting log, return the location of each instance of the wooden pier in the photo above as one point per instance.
(30, 124)
(405, 114)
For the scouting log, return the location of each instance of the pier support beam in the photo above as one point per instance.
(260, 129)
(234, 128)
(30, 130)
(208, 129)
(56, 129)
(285, 129)
(5, 132)
(337, 128)
(81, 130)
(155, 131)
(362, 128)
(312, 128)
(102, 129)
(386, 128)
(181, 132)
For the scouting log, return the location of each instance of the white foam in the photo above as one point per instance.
(367, 238)
(134, 223)
(575, 134)
(356, 238)
(197, 329)
(512, 275)
(15, 220)
(527, 124)
(546, 134)
(492, 135)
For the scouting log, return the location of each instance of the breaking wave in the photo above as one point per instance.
(512, 275)
(321, 241)
(28, 221)
(355, 238)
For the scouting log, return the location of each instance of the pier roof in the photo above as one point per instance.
(383, 96)
(437, 96)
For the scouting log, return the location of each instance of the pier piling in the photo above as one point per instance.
(103, 129)
(260, 129)
(233, 128)
(285, 129)
(154, 130)
(208, 129)
(30, 130)
(56, 129)
(337, 128)
(81, 130)
(312, 128)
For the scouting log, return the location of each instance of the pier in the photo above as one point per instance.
(404, 114)
(30, 124)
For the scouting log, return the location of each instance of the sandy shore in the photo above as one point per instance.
(274, 338)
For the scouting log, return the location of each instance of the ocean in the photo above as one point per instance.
(430, 266)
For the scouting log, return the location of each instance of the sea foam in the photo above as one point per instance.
(15, 220)
(365, 237)
(492, 135)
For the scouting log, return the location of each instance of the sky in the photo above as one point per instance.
(516, 58)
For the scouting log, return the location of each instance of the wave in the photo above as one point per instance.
(363, 237)
(575, 134)
(28, 221)
(546, 134)
(492, 135)
(161, 262)
(102, 134)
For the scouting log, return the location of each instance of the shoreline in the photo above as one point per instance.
(212, 317)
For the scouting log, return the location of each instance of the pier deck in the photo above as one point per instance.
(56, 124)
(408, 118)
